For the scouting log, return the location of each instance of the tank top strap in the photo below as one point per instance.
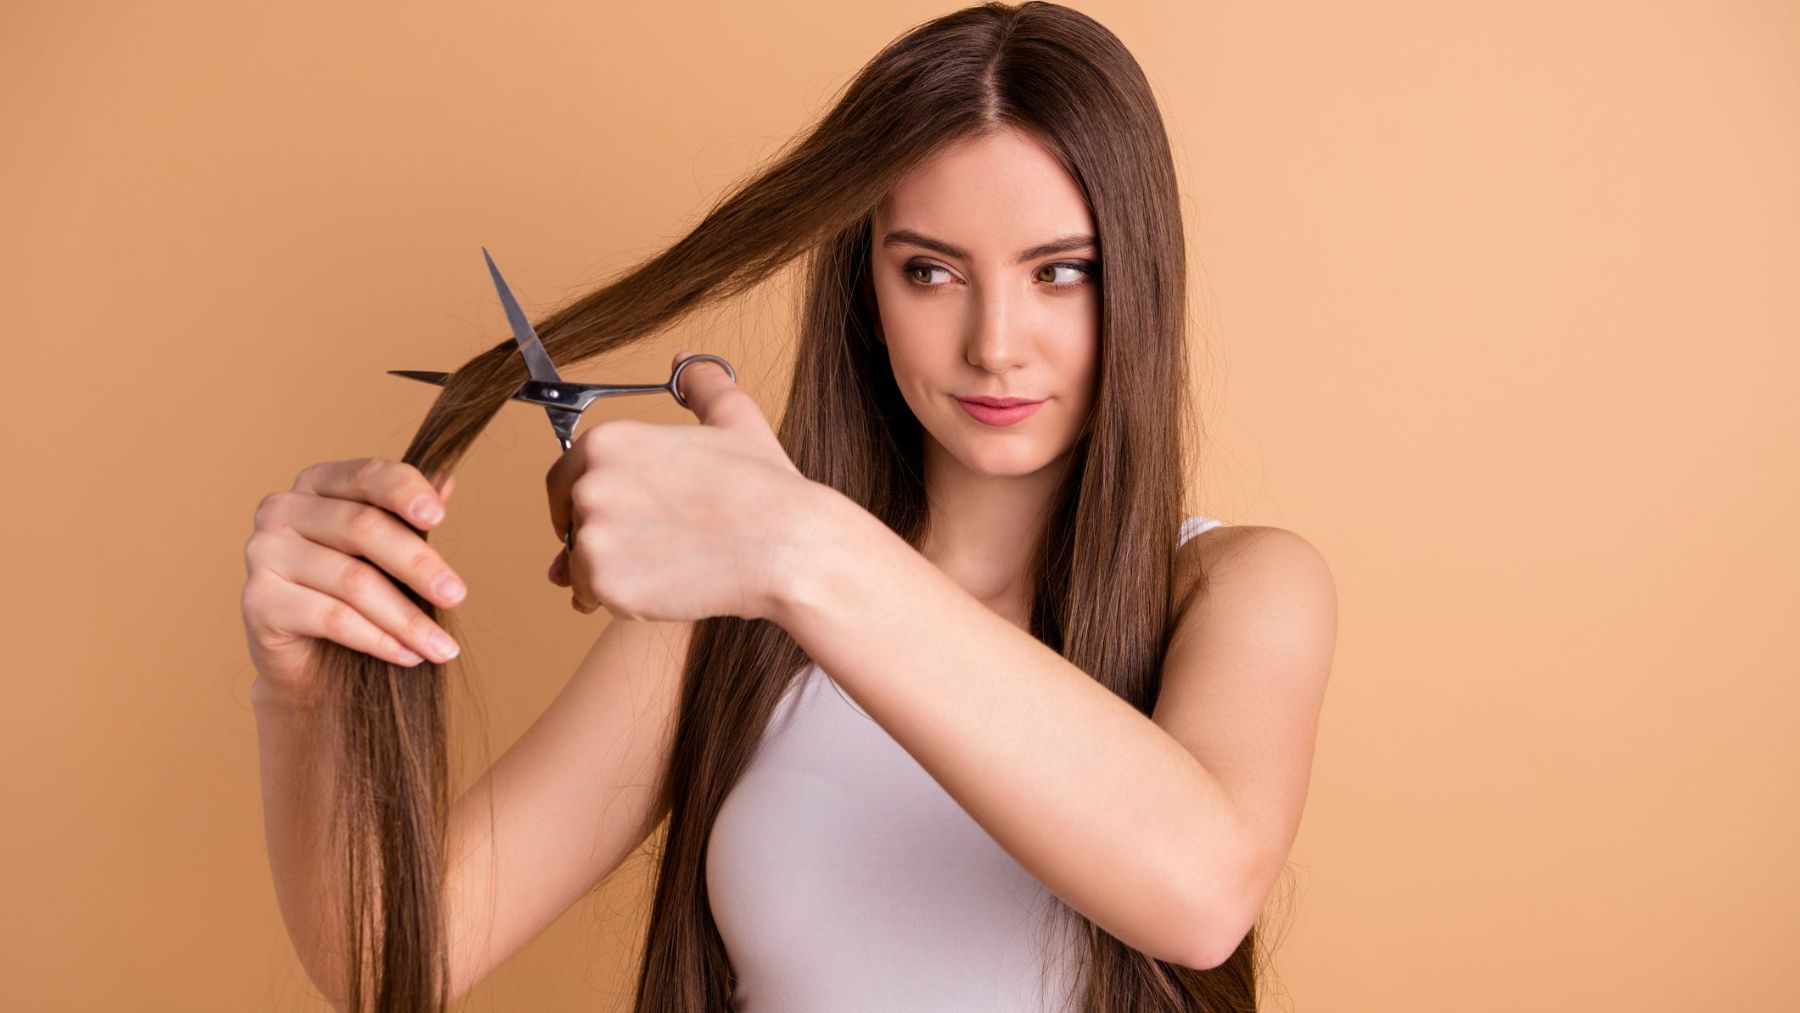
(1195, 524)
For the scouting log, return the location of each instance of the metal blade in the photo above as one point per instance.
(537, 361)
(420, 374)
(561, 396)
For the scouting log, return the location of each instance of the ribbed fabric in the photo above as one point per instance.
(844, 878)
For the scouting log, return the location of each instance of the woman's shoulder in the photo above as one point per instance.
(1222, 536)
(1216, 548)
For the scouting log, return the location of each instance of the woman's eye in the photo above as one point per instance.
(1084, 270)
(913, 270)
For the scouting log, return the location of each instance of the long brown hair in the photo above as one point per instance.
(1103, 574)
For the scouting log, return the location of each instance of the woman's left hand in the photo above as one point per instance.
(678, 523)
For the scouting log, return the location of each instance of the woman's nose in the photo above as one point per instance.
(994, 341)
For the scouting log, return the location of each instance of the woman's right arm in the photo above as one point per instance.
(297, 748)
(314, 563)
(570, 800)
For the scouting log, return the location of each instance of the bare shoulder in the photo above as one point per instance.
(1260, 559)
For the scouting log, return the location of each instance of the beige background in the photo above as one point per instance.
(1496, 304)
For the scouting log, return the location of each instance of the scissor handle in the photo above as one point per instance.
(579, 397)
(675, 380)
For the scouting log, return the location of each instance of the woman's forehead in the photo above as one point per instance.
(995, 195)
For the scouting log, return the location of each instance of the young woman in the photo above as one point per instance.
(947, 705)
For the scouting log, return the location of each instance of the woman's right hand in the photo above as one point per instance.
(315, 563)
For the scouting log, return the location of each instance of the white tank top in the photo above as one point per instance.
(843, 877)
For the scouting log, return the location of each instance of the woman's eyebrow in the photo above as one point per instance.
(1061, 244)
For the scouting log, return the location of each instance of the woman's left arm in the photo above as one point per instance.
(1167, 831)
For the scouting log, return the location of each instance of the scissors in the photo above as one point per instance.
(563, 402)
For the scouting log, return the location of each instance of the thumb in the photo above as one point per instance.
(713, 396)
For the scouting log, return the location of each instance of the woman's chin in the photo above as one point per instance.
(993, 451)
(1015, 461)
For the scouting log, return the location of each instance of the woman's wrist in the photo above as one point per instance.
(821, 535)
(273, 698)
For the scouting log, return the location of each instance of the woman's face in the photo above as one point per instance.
(987, 283)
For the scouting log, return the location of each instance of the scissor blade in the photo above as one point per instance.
(537, 361)
(561, 397)
(420, 374)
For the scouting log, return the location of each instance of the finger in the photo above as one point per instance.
(445, 485)
(367, 591)
(577, 573)
(579, 580)
(559, 481)
(713, 396)
(312, 613)
(392, 485)
(365, 530)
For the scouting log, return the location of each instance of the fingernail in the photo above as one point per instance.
(443, 648)
(408, 658)
(449, 588)
(426, 509)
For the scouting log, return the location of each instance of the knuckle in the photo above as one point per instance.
(617, 600)
(588, 543)
(601, 439)
(268, 509)
(365, 470)
(256, 549)
(607, 592)
(420, 626)
(584, 495)
(250, 599)
(365, 520)
(356, 577)
(338, 619)
(389, 644)
(411, 482)
(423, 561)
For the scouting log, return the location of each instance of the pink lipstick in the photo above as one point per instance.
(1000, 411)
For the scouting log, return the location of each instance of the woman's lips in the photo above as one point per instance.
(1000, 416)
